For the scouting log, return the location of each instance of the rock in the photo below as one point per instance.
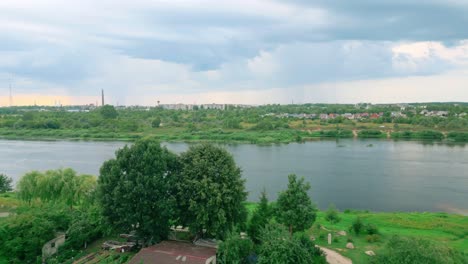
(341, 233)
(370, 253)
(350, 245)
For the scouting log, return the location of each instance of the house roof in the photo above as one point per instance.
(173, 252)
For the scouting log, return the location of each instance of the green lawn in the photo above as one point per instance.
(448, 229)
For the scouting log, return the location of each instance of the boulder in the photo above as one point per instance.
(350, 245)
(370, 253)
(341, 233)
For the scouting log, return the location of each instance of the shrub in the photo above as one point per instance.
(278, 246)
(336, 239)
(417, 251)
(235, 249)
(331, 215)
(371, 229)
(373, 238)
(357, 226)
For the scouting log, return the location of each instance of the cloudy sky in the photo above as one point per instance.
(241, 51)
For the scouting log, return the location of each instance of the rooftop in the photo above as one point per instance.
(174, 252)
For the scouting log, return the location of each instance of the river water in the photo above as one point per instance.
(377, 175)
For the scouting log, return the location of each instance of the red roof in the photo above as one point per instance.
(169, 252)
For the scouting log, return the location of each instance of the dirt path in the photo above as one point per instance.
(334, 257)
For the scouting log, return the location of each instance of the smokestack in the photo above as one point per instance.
(102, 97)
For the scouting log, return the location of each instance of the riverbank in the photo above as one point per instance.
(444, 228)
(233, 135)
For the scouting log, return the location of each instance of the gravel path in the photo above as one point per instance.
(334, 257)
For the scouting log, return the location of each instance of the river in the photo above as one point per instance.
(377, 175)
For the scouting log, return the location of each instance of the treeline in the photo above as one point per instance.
(55, 201)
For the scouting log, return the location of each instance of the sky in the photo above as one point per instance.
(240, 52)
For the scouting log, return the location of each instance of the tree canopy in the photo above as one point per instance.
(294, 206)
(279, 247)
(108, 112)
(260, 218)
(58, 186)
(211, 191)
(5, 183)
(135, 189)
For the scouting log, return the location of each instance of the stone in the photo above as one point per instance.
(329, 238)
(370, 253)
(350, 245)
(341, 233)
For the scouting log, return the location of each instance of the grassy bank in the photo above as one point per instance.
(179, 134)
(444, 228)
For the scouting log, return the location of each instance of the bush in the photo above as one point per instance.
(279, 247)
(357, 226)
(417, 251)
(331, 215)
(235, 249)
(371, 229)
(370, 133)
(373, 238)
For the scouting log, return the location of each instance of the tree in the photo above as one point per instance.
(135, 189)
(23, 234)
(260, 218)
(279, 247)
(5, 183)
(401, 250)
(56, 186)
(331, 215)
(156, 122)
(108, 112)
(211, 191)
(294, 207)
(28, 186)
(235, 250)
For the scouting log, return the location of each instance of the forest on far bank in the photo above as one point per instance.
(262, 124)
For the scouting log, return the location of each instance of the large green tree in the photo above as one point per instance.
(294, 206)
(5, 183)
(135, 189)
(211, 191)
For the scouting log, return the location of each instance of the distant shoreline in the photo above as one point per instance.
(236, 136)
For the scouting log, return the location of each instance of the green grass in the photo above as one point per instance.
(8, 202)
(448, 229)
